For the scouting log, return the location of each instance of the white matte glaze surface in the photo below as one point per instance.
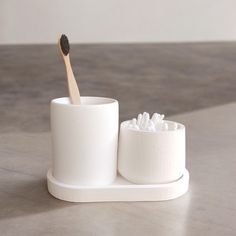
(151, 157)
(84, 140)
(119, 190)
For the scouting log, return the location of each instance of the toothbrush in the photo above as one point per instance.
(64, 48)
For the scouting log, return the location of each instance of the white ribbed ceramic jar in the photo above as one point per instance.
(146, 157)
(84, 140)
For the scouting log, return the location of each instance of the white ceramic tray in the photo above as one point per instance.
(120, 190)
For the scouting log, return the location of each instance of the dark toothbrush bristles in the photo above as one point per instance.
(64, 43)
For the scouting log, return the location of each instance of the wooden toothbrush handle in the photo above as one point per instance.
(72, 85)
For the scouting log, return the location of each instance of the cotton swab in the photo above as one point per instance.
(153, 124)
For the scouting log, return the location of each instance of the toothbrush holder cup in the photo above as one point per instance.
(84, 141)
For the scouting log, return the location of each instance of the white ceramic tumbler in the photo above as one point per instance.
(84, 140)
(146, 157)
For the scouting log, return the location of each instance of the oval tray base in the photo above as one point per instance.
(120, 190)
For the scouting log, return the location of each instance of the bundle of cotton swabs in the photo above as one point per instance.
(156, 123)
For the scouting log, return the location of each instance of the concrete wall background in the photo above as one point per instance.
(93, 21)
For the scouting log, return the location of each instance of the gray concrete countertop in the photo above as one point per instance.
(168, 78)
